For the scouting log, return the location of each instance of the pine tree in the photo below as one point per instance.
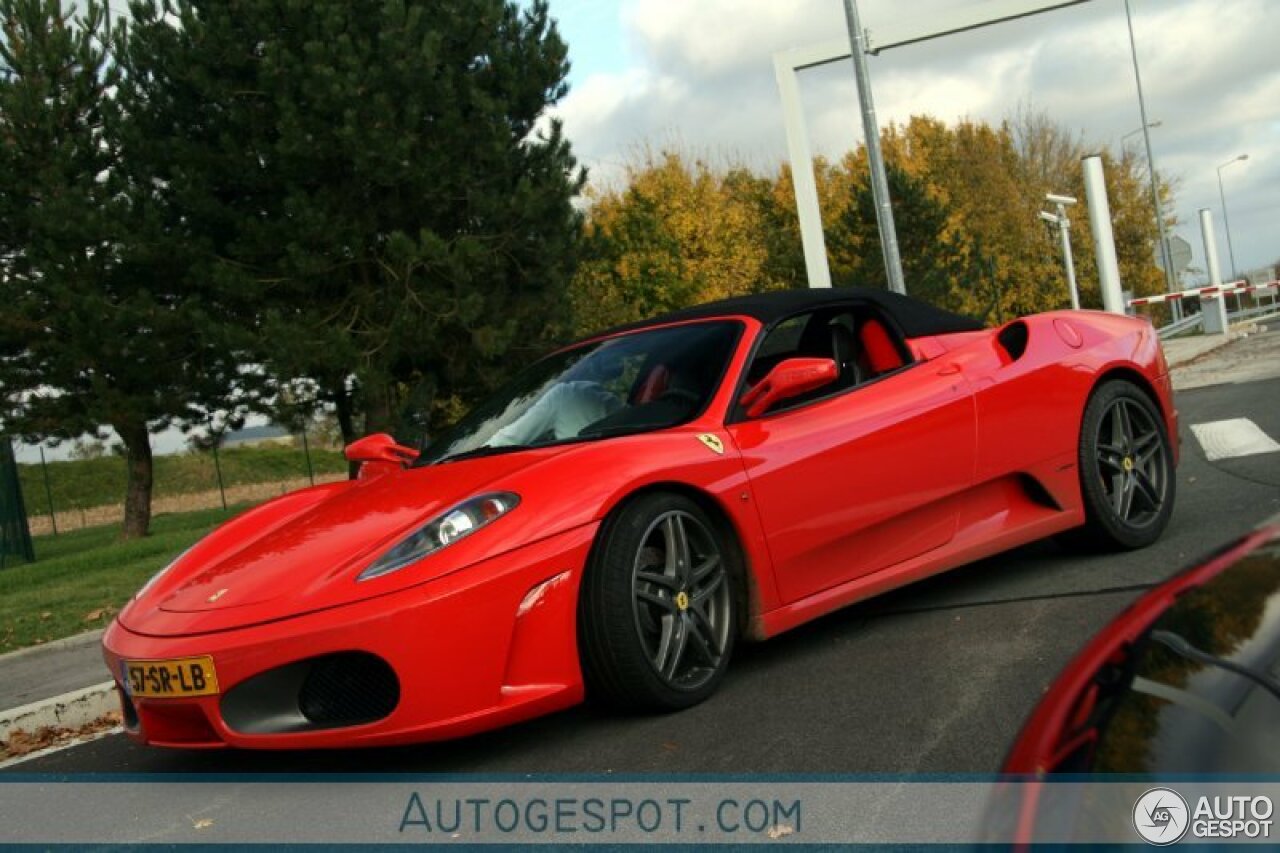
(374, 185)
(98, 327)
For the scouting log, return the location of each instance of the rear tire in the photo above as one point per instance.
(1126, 469)
(658, 612)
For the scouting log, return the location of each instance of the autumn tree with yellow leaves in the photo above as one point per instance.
(680, 233)
(965, 196)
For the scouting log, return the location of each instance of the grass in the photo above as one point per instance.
(82, 578)
(85, 483)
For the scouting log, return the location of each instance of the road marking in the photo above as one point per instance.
(1235, 437)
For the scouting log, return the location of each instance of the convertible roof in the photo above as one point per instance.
(915, 318)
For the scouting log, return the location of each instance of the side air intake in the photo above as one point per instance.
(1013, 338)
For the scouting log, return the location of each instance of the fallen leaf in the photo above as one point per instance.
(779, 830)
(23, 742)
(202, 823)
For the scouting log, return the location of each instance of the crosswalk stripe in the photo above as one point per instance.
(1231, 438)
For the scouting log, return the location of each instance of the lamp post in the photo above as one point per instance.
(875, 159)
(1060, 221)
(1226, 222)
(1138, 130)
(1169, 279)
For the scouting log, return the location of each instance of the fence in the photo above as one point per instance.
(68, 495)
(1244, 301)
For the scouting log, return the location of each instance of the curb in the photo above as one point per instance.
(1222, 341)
(53, 645)
(69, 710)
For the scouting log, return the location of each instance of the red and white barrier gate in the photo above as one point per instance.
(1212, 291)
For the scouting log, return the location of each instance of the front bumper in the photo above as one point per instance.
(488, 645)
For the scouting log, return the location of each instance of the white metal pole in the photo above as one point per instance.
(1210, 246)
(1064, 230)
(802, 179)
(1104, 244)
(1214, 309)
(871, 129)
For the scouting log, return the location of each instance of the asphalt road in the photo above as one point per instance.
(937, 677)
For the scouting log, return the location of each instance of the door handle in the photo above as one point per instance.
(949, 369)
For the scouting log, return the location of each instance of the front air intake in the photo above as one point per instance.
(348, 688)
(324, 692)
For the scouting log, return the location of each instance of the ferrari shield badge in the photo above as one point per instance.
(712, 441)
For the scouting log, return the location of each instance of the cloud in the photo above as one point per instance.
(700, 75)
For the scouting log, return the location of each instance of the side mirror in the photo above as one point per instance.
(788, 379)
(379, 447)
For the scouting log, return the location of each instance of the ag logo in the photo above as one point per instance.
(1161, 816)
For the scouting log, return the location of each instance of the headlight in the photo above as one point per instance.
(445, 529)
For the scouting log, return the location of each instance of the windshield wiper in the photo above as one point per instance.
(486, 450)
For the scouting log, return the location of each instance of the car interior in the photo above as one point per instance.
(666, 388)
(861, 343)
(670, 386)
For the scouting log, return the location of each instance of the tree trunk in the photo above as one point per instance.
(347, 426)
(377, 408)
(346, 417)
(138, 464)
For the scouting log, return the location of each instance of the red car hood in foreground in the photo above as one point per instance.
(302, 552)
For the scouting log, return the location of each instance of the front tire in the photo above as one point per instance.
(659, 608)
(1126, 469)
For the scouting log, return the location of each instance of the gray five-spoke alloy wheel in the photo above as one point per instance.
(1126, 468)
(660, 603)
(681, 599)
(1132, 462)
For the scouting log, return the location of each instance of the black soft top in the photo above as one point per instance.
(916, 319)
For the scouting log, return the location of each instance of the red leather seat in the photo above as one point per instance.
(653, 385)
(878, 347)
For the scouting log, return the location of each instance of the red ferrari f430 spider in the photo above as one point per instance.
(631, 506)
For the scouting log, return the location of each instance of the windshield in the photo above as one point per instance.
(632, 383)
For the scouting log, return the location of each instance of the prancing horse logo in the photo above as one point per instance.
(712, 441)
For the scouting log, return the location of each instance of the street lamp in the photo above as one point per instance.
(1151, 161)
(1136, 131)
(1226, 223)
(1060, 221)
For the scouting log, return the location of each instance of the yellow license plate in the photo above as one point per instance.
(170, 679)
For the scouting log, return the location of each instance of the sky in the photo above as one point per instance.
(698, 75)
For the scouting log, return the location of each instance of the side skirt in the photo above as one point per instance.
(1013, 520)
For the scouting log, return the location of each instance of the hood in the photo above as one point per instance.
(1181, 682)
(303, 551)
